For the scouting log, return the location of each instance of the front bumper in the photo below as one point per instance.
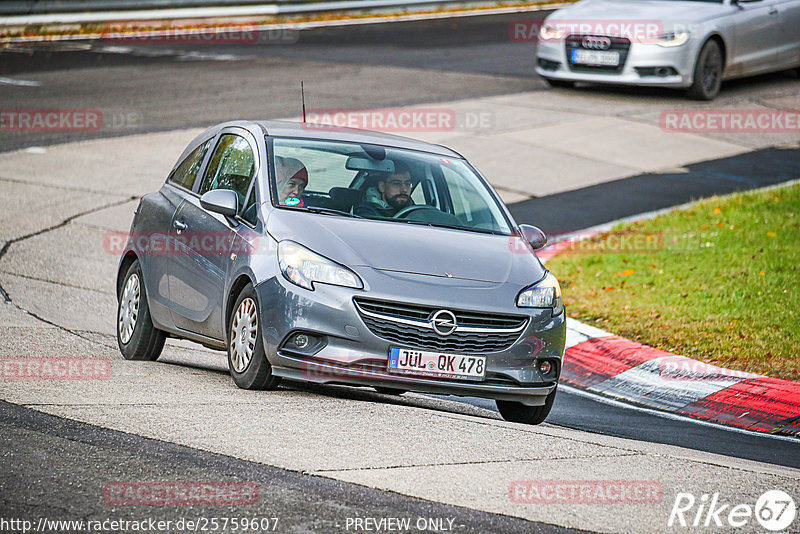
(637, 69)
(352, 354)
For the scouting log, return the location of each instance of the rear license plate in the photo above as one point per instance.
(436, 364)
(595, 57)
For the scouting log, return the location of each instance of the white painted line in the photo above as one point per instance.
(23, 83)
(667, 415)
(585, 329)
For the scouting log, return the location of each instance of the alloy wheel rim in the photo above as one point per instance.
(244, 329)
(128, 308)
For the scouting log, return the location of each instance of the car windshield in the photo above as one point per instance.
(385, 183)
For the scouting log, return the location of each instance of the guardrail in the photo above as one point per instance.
(43, 7)
(81, 11)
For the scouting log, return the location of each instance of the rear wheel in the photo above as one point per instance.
(562, 84)
(516, 412)
(707, 73)
(137, 338)
(247, 360)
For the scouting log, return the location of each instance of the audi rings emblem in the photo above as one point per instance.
(444, 322)
(596, 43)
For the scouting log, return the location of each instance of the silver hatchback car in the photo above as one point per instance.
(347, 257)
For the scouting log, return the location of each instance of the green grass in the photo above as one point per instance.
(719, 282)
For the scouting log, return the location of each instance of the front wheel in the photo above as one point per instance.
(516, 412)
(707, 78)
(137, 338)
(247, 360)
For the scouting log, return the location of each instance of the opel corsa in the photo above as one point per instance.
(343, 256)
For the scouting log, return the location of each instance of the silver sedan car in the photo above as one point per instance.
(342, 256)
(670, 43)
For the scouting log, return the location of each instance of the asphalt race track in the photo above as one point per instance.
(167, 89)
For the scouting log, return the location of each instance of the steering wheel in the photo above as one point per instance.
(410, 209)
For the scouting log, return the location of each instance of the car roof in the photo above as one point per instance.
(331, 133)
(336, 133)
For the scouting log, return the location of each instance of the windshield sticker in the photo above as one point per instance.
(292, 201)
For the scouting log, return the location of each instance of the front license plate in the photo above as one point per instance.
(436, 364)
(595, 57)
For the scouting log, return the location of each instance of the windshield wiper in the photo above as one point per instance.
(454, 227)
(331, 211)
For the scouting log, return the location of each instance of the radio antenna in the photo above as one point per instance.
(303, 98)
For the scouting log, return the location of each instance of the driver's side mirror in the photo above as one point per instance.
(533, 235)
(222, 201)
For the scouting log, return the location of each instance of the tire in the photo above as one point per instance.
(247, 360)
(560, 84)
(516, 412)
(388, 391)
(707, 78)
(137, 338)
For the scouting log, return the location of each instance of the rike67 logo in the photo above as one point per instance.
(775, 511)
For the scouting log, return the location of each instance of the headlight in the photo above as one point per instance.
(304, 267)
(548, 32)
(672, 39)
(545, 294)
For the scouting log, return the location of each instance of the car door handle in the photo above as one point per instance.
(179, 225)
(773, 10)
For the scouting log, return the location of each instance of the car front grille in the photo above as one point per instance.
(409, 325)
(618, 44)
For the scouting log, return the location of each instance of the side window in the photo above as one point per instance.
(454, 184)
(249, 211)
(418, 195)
(186, 173)
(232, 166)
